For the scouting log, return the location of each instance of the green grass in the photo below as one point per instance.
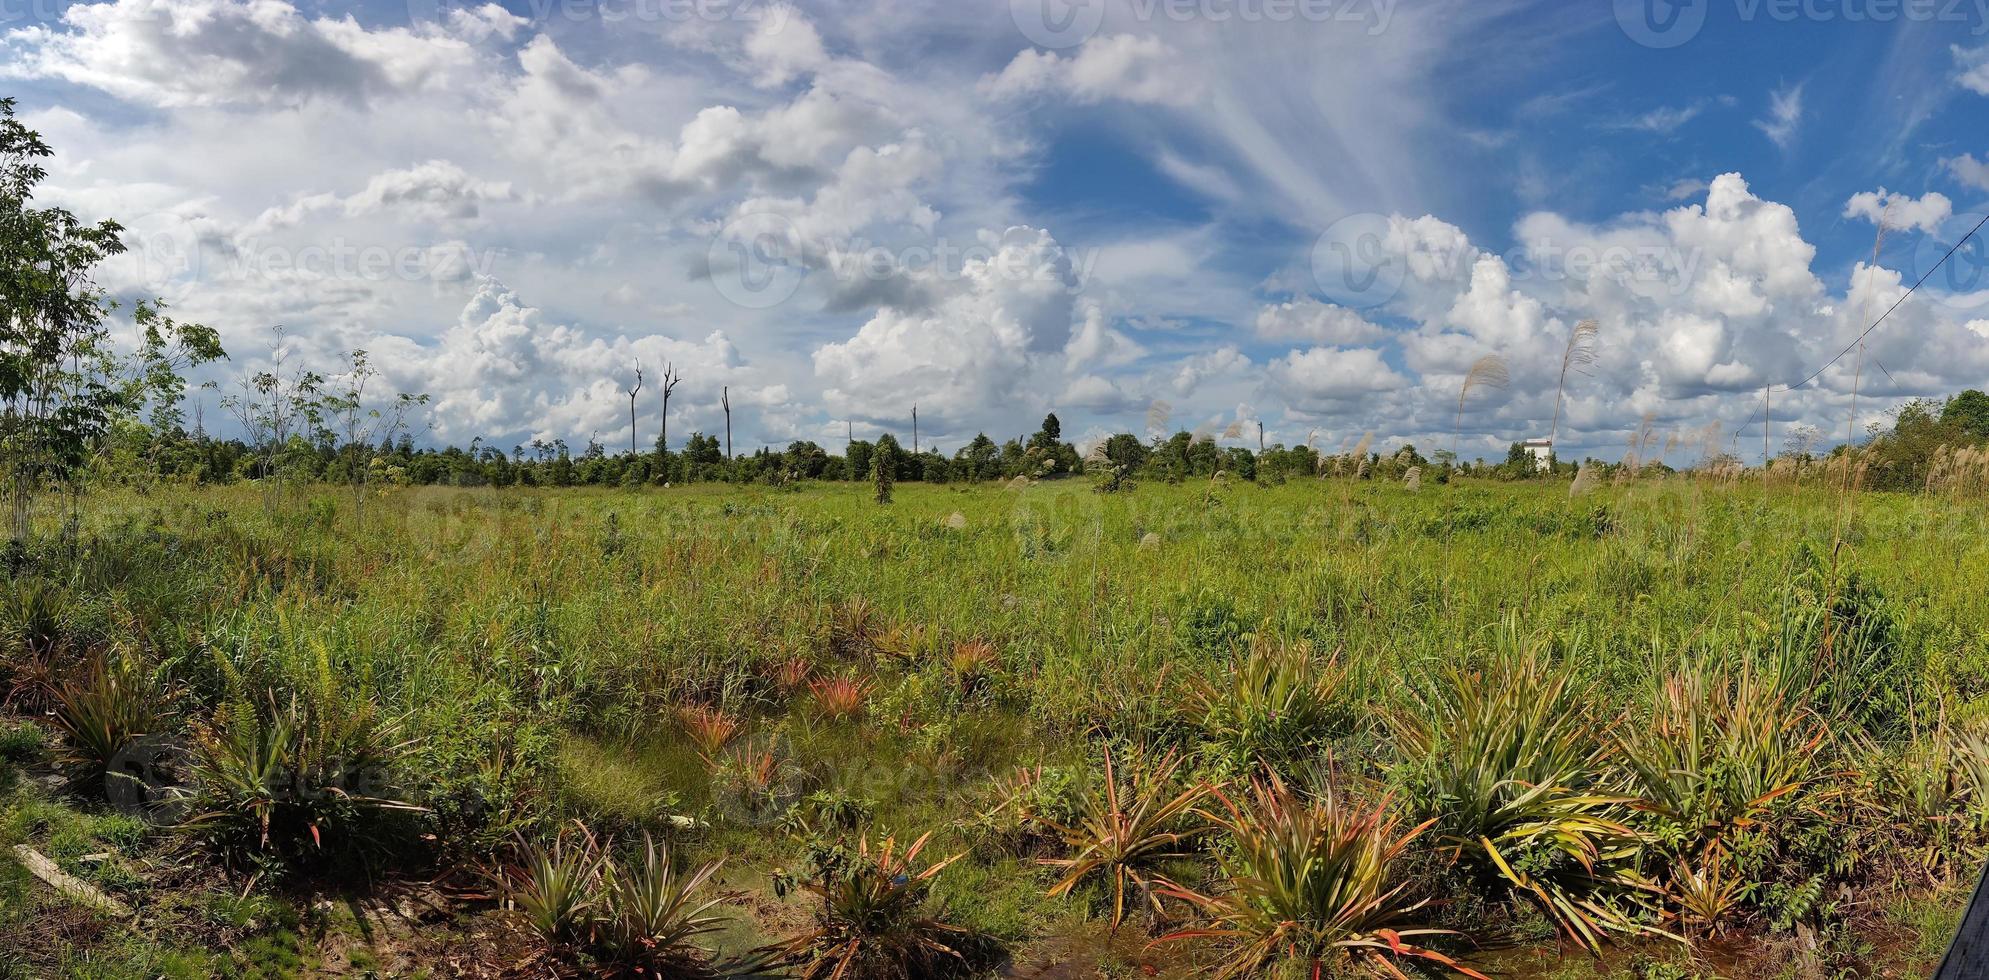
(536, 659)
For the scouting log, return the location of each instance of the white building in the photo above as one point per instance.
(1542, 450)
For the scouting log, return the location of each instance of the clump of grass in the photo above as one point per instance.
(792, 675)
(1277, 704)
(1722, 751)
(1310, 887)
(972, 661)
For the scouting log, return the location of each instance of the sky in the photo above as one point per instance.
(1139, 214)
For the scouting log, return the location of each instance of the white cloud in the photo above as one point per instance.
(988, 345)
(1316, 322)
(1328, 378)
(1663, 120)
(185, 53)
(1973, 65)
(1785, 114)
(1968, 170)
(1125, 67)
(1900, 210)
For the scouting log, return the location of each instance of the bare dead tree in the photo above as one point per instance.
(632, 451)
(670, 379)
(725, 401)
(915, 430)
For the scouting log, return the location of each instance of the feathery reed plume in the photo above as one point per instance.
(1585, 480)
(1486, 372)
(1361, 447)
(1235, 430)
(1580, 353)
(1203, 433)
(1413, 480)
(1096, 454)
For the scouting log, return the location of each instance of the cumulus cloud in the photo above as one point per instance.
(1330, 378)
(1968, 170)
(434, 190)
(1125, 67)
(1900, 210)
(988, 343)
(1316, 322)
(560, 203)
(1973, 68)
(186, 53)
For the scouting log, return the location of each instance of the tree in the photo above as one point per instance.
(632, 390)
(57, 394)
(276, 408)
(360, 423)
(1968, 414)
(1126, 449)
(979, 459)
(858, 459)
(670, 380)
(806, 459)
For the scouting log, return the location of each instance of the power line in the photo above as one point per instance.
(1895, 305)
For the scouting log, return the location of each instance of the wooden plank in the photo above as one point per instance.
(72, 888)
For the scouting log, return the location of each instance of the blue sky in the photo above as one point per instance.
(838, 210)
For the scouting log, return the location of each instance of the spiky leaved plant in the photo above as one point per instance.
(1519, 782)
(1310, 887)
(1126, 830)
(874, 919)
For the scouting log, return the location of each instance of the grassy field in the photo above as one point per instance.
(1700, 730)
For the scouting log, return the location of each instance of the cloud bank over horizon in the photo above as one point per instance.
(839, 210)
